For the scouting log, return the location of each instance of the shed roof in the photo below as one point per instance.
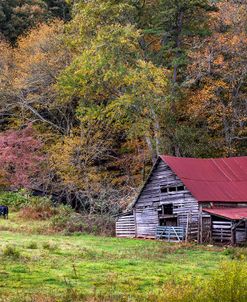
(214, 179)
(230, 213)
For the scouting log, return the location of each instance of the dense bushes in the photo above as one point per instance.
(14, 200)
(38, 209)
(71, 222)
(62, 218)
(68, 221)
(29, 206)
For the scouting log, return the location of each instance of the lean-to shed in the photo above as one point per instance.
(192, 199)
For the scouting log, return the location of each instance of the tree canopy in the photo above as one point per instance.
(109, 85)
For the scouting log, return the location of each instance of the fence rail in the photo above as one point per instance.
(170, 233)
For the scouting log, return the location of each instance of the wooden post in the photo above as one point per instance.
(232, 233)
(187, 228)
(200, 224)
(134, 213)
(211, 230)
(245, 224)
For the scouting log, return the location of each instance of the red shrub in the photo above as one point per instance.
(20, 156)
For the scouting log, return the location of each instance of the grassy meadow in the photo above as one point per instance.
(40, 265)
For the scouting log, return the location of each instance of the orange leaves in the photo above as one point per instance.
(219, 71)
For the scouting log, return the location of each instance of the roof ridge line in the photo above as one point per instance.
(196, 179)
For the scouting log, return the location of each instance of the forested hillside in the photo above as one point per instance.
(92, 91)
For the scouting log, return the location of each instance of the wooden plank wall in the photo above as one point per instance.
(151, 198)
(206, 228)
(222, 231)
(241, 233)
(125, 226)
(146, 221)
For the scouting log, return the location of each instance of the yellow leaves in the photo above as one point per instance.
(39, 52)
(6, 62)
(61, 159)
(149, 79)
(73, 158)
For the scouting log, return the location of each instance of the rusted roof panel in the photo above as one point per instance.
(230, 213)
(220, 179)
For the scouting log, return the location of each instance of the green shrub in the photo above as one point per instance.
(11, 252)
(14, 200)
(31, 207)
(236, 253)
(49, 246)
(32, 246)
(38, 208)
(68, 222)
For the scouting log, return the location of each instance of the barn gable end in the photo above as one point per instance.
(148, 206)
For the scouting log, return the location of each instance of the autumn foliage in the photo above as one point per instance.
(115, 86)
(20, 157)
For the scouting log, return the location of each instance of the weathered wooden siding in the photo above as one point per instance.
(222, 231)
(151, 198)
(146, 221)
(125, 226)
(241, 233)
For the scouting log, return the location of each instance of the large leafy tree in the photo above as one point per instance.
(119, 96)
(110, 73)
(36, 62)
(218, 78)
(171, 26)
(171, 30)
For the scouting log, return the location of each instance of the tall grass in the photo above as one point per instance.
(11, 252)
(228, 284)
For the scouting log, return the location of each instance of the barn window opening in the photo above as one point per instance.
(180, 188)
(167, 209)
(164, 189)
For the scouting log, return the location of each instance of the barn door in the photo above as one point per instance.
(146, 221)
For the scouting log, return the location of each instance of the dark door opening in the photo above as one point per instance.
(169, 221)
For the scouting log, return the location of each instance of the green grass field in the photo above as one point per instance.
(33, 263)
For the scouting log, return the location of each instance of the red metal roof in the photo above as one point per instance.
(218, 179)
(231, 213)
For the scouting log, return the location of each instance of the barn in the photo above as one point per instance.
(191, 199)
